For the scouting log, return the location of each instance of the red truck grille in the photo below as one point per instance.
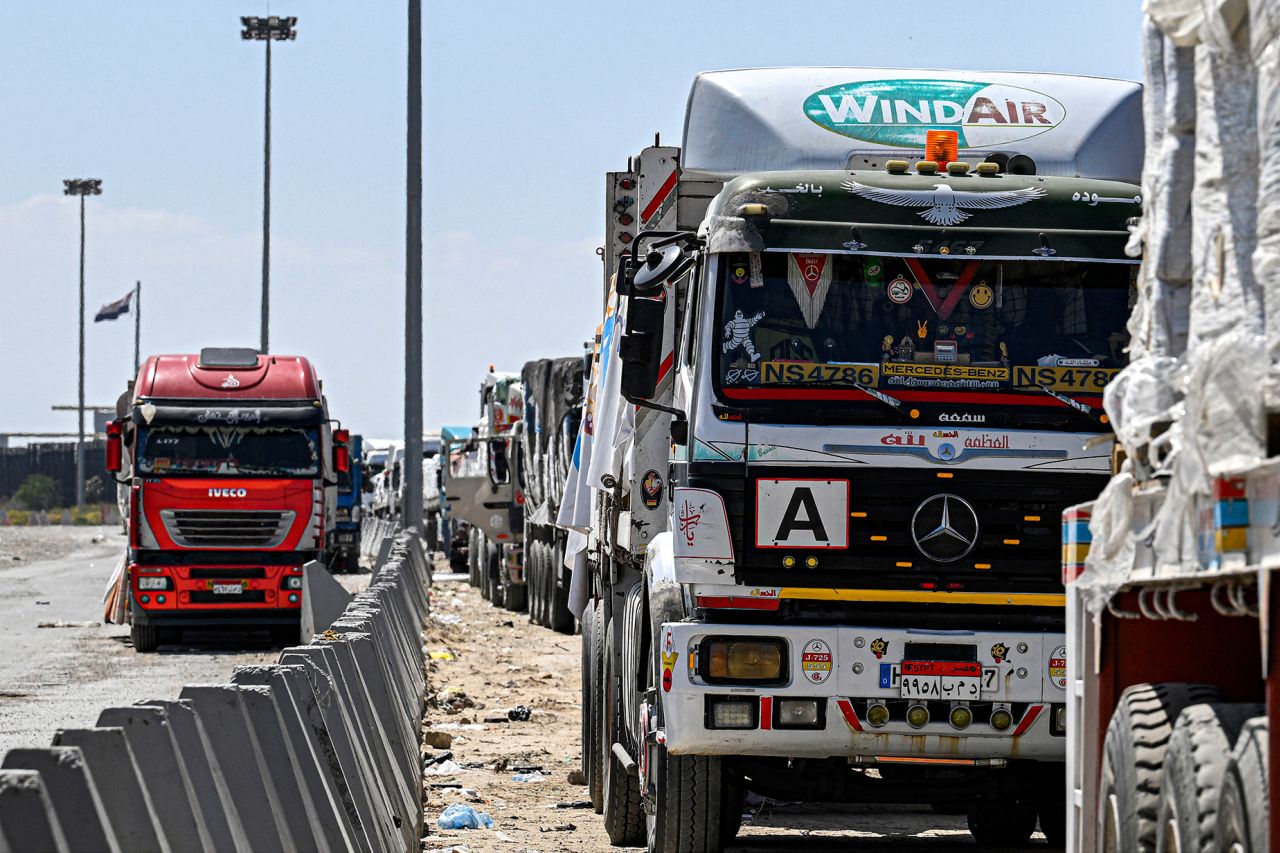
(216, 528)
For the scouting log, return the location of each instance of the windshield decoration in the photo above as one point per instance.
(737, 335)
(1038, 340)
(945, 206)
(809, 276)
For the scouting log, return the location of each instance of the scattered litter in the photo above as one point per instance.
(454, 848)
(58, 623)
(528, 768)
(471, 727)
(445, 785)
(502, 836)
(495, 719)
(577, 777)
(576, 804)
(441, 654)
(437, 740)
(463, 816)
(436, 759)
(97, 539)
(508, 624)
(444, 768)
(42, 602)
(451, 700)
(535, 776)
(519, 713)
(447, 618)
(559, 827)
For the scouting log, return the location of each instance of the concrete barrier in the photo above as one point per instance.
(318, 752)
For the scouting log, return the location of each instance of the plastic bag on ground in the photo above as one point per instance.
(463, 816)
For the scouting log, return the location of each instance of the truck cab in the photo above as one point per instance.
(851, 373)
(344, 538)
(232, 466)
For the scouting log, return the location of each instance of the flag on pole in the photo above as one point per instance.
(112, 310)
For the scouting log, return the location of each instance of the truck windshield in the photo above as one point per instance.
(199, 452)
(1007, 342)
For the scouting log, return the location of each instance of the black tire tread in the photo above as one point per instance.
(690, 804)
(1135, 746)
(1242, 813)
(146, 638)
(594, 753)
(623, 808)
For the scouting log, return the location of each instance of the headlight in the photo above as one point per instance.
(343, 513)
(153, 583)
(746, 660)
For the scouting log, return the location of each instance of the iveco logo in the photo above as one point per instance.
(945, 528)
(228, 493)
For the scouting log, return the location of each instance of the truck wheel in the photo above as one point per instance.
(1132, 759)
(473, 557)
(1242, 806)
(733, 802)
(560, 619)
(623, 811)
(146, 638)
(494, 570)
(1001, 823)
(535, 576)
(687, 807)
(515, 596)
(1195, 766)
(592, 702)
(1051, 803)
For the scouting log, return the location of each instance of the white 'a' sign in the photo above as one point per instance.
(802, 513)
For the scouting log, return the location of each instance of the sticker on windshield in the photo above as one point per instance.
(737, 335)
(900, 291)
(809, 276)
(814, 373)
(981, 296)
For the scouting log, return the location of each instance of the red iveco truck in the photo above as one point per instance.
(231, 468)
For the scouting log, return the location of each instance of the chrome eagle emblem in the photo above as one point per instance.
(944, 528)
(945, 205)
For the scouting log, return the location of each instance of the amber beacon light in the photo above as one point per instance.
(942, 146)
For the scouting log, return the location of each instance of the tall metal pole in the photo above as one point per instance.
(266, 209)
(137, 327)
(411, 513)
(80, 405)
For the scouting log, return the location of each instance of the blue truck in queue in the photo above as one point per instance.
(344, 538)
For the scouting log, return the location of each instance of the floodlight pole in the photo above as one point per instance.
(411, 512)
(81, 187)
(137, 326)
(269, 29)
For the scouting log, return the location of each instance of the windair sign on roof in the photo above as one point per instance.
(898, 112)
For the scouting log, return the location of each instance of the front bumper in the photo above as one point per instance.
(215, 595)
(848, 668)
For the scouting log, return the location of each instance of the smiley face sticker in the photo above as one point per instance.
(981, 296)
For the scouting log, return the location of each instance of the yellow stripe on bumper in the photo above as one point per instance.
(1017, 599)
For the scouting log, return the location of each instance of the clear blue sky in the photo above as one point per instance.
(528, 104)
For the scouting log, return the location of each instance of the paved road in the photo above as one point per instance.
(61, 677)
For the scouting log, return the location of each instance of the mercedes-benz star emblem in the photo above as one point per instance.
(945, 528)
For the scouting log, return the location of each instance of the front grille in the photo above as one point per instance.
(246, 572)
(218, 528)
(249, 596)
(1018, 545)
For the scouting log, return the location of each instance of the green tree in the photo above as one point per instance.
(38, 492)
(95, 490)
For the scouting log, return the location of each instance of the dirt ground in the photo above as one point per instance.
(487, 660)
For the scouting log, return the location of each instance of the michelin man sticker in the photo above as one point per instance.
(737, 335)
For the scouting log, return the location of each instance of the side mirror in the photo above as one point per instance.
(115, 446)
(341, 453)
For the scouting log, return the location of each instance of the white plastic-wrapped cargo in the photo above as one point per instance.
(1170, 651)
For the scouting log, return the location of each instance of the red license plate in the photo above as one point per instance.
(941, 667)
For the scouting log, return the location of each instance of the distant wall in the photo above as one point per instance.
(57, 460)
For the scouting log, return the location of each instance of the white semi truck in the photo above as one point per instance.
(856, 334)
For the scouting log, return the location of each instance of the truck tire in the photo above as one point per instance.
(515, 596)
(494, 570)
(1195, 766)
(1001, 823)
(1243, 823)
(623, 811)
(593, 703)
(733, 802)
(537, 582)
(560, 617)
(1132, 760)
(473, 559)
(688, 805)
(146, 638)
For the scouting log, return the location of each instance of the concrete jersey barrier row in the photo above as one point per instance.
(318, 752)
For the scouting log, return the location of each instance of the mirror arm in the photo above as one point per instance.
(657, 407)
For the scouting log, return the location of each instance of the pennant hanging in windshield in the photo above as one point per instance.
(112, 310)
(809, 276)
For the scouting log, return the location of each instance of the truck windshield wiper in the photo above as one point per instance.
(892, 402)
(1068, 401)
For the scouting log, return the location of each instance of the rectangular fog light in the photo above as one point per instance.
(797, 713)
(732, 714)
(153, 583)
(1058, 721)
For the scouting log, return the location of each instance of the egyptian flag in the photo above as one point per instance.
(112, 310)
